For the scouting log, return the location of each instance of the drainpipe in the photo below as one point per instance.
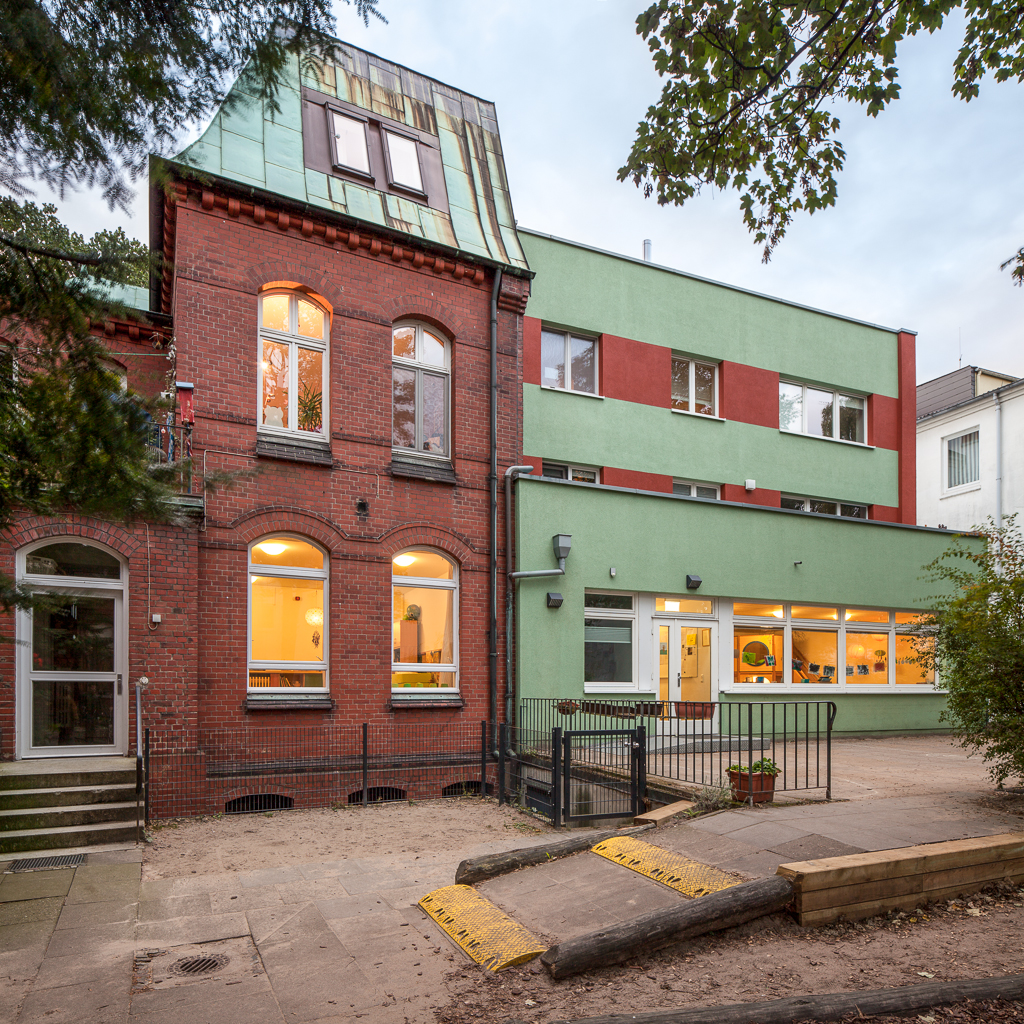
(510, 474)
(999, 459)
(492, 623)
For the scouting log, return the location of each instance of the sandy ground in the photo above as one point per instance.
(247, 842)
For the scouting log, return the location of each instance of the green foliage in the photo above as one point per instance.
(975, 640)
(765, 766)
(751, 86)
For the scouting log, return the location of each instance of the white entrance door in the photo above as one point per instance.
(684, 663)
(71, 691)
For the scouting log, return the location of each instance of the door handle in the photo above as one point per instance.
(120, 686)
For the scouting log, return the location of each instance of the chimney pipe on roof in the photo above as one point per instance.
(647, 250)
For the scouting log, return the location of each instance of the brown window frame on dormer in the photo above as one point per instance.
(332, 135)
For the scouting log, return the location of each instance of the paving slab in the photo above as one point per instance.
(180, 931)
(35, 885)
(25, 911)
(111, 939)
(101, 999)
(87, 915)
(309, 890)
(248, 1001)
(175, 906)
(812, 847)
(81, 967)
(94, 883)
(238, 901)
(22, 947)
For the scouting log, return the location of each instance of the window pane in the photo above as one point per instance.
(424, 564)
(805, 611)
(909, 618)
(552, 358)
(707, 492)
(404, 342)
(72, 713)
(854, 511)
(704, 389)
(757, 654)
(819, 412)
(275, 312)
(851, 418)
(288, 551)
(75, 635)
(311, 320)
(422, 626)
(405, 162)
(608, 601)
(403, 432)
(867, 657)
(275, 384)
(866, 615)
(554, 471)
(584, 476)
(584, 365)
(757, 608)
(423, 680)
(680, 488)
(816, 653)
(793, 503)
(684, 605)
(680, 383)
(273, 679)
(73, 560)
(434, 436)
(311, 386)
(790, 406)
(351, 136)
(607, 650)
(964, 465)
(287, 619)
(431, 349)
(908, 650)
(824, 508)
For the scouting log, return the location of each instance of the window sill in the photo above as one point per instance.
(874, 689)
(610, 689)
(955, 492)
(833, 440)
(294, 449)
(398, 703)
(437, 470)
(569, 391)
(698, 415)
(293, 702)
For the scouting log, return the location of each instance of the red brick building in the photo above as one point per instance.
(341, 314)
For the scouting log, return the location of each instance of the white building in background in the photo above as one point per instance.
(970, 449)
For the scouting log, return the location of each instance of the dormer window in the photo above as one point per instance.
(403, 162)
(350, 146)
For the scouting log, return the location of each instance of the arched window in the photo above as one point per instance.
(421, 384)
(424, 623)
(293, 371)
(287, 615)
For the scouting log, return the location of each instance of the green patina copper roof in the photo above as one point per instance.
(249, 143)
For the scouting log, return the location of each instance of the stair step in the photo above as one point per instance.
(49, 818)
(23, 840)
(13, 799)
(67, 779)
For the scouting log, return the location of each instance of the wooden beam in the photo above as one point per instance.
(686, 920)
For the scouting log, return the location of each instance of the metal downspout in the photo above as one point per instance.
(510, 474)
(999, 459)
(492, 624)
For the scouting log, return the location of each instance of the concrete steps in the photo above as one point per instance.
(66, 803)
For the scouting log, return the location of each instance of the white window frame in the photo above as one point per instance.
(333, 114)
(971, 485)
(294, 341)
(840, 626)
(836, 395)
(294, 573)
(573, 472)
(694, 484)
(632, 616)
(415, 190)
(419, 368)
(426, 693)
(838, 504)
(690, 409)
(567, 356)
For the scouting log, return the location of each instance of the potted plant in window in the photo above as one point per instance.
(755, 783)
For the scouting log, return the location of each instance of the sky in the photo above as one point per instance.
(929, 201)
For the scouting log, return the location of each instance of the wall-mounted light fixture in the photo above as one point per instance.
(554, 600)
(693, 582)
(611, 572)
(798, 563)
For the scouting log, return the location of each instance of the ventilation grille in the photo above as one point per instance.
(67, 860)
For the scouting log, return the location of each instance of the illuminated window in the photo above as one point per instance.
(562, 471)
(424, 624)
(421, 383)
(287, 616)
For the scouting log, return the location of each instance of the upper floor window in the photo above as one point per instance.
(421, 384)
(808, 410)
(349, 143)
(403, 162)
(568, 361)
(293, 364)
(561, 471)
(689, 489)
(694, 386)
(962, 460)
(825, 508)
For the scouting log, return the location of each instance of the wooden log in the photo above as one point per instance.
(831, 1006)
(686, 920)
(477, 869)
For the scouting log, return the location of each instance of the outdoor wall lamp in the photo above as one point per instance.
(693, 582)
(554, 600)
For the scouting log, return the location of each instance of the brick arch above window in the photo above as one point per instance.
(436, 314)
(306, 277)
(85, 528)
(423, 535)
(259, 522)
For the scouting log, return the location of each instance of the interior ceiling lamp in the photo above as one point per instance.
(315, 616)
(404, 560)
(272, 548)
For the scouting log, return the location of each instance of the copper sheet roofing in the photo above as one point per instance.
(287, 152)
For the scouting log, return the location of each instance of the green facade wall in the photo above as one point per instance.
(582, 288)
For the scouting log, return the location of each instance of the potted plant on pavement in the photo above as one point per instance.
(754, 783)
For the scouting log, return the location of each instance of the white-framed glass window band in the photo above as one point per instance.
(564, 471)
(694, 385)
(568, 361)
(292, 368)
(819, 412)
(823, 507)
(693, 489)
(961, 461)
(825, 646)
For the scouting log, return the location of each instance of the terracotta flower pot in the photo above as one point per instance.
(756, 786)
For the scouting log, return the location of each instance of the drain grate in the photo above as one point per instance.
(67, 860)
(207, 963)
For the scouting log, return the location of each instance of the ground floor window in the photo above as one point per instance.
(424, 623)
(609, 624)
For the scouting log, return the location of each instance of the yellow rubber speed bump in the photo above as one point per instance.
(477, 926)
(688, 877)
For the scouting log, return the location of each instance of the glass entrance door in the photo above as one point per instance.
(683, 657)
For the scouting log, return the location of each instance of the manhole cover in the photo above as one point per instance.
(190, 966)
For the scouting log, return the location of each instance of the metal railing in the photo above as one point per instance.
(170, 444)
(695, 742)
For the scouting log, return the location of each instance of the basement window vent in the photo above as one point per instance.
(377, 795)
(68, 860)
(469, 787)
(256, 802)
